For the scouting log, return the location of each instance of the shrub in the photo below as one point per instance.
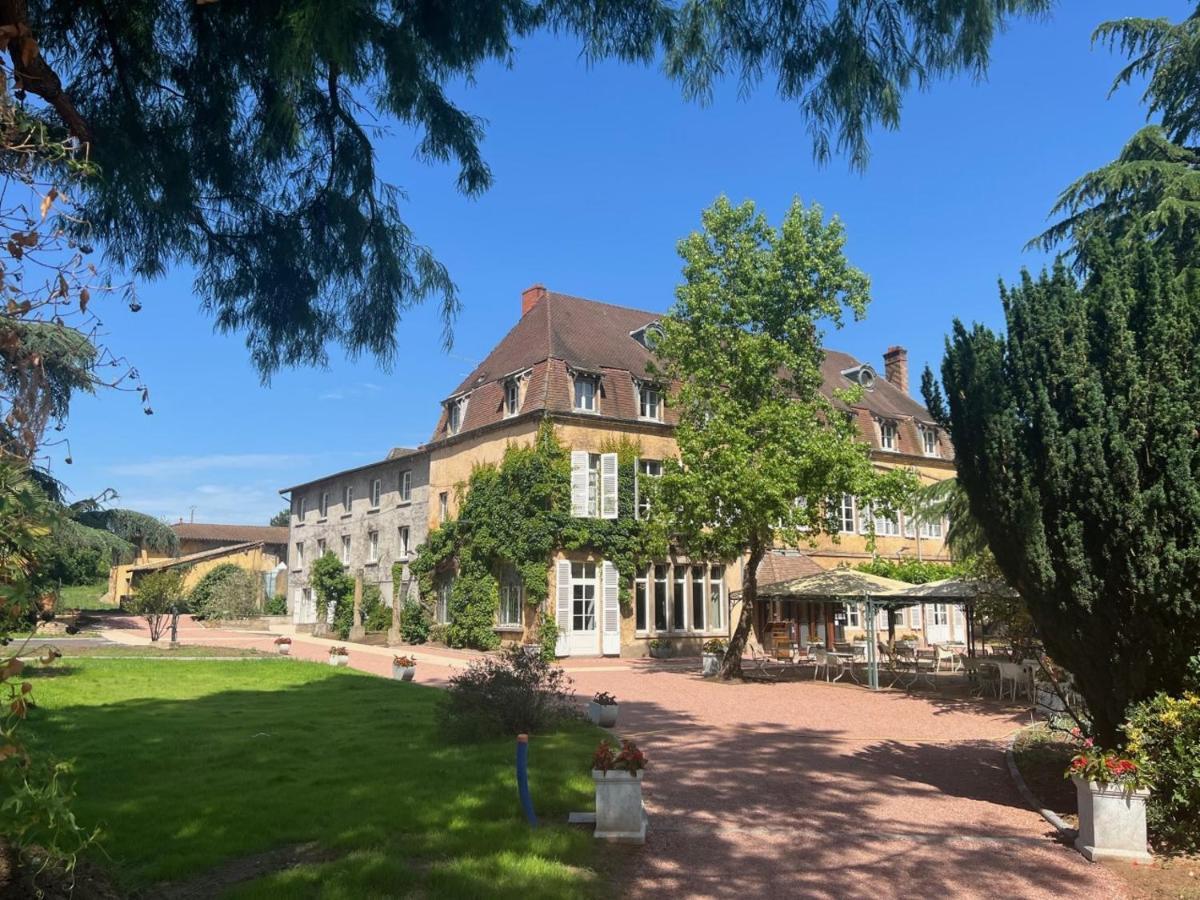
(415, 623)
(331, 586)
(377, 615)
(547, 636)
(1164, 732)
(155, 596)
(438, 634)
(234, 596)
(277, 606)
(513, 693)
(203, 589)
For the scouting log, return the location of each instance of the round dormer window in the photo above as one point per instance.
(652, 336)
(866, 377)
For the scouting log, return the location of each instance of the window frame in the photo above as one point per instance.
(929, 442)
(323, 509)
(403, 539)
(301, 508)
(299, 555)
(889, 436)
(512, 398)
(593, 396)
(347, 499)
(512, 602)
(646, 390)
(443, 507)
(405, 486)
(376, 492)
(372, 547)
(347, 549)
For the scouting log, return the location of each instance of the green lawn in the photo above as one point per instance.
(84, 596)
(187, 765)
(71, 649)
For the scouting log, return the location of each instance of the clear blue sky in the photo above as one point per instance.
(598, 172)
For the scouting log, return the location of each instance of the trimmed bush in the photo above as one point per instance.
(235, 596)
(277, 606)
(1164, 733)
(415, 623)
(514, 693)
(377, 615)
(203, 589)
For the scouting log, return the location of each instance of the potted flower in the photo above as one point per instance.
(712, 653)
(620, 815)
(1112, 798)
(283, 645)
(602, 710)
(660, 648)
(339, 656)
(404, 668)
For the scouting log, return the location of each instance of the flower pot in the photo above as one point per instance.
(1112, 821)
(604, 715)
(339, 660)
(620, 815)
(663, 652)
(403, 673)
(284, 649)
(710, 664)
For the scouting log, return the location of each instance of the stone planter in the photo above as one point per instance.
(603, 715)
(663, 652)
(710, 664)
(1112, 821)
(620, 815)
(339, 661)
(403, 673)
(284, 649)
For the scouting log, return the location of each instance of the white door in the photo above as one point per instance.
(937, 626)
(583, 636)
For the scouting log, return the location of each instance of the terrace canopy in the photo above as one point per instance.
(957, 591)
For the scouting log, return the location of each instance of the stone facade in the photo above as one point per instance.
(389, 502)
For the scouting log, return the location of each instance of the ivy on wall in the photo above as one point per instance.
(512, 517)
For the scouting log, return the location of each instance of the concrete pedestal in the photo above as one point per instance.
(1112, 821)
(620, 815)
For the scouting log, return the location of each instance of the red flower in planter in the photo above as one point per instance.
(630, 759)
(603, 759)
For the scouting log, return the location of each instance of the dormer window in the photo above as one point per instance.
(512, 397)
(456, 411)
(648, 336)
(585, 393)
(888, 436)
(650, 402)
(929, 441)
(863, 376)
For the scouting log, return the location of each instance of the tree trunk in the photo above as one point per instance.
(32, 72)
(731, 667)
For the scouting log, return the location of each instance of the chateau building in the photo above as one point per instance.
(586, 366)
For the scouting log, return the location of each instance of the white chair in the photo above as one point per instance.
(946, 656)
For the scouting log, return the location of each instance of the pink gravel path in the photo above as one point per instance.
(804, 789)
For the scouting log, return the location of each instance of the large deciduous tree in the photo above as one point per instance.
(760, 447)
(238, 138)
(1075, 437)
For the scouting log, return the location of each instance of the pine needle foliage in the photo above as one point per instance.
(1075, 441)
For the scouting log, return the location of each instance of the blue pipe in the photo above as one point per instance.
(523, 778)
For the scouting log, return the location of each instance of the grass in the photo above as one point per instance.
(1042, 756)
(191, 765)
(84, 596)
(127, 651)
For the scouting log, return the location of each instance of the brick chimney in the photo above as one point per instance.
(895, 367)
(530, 296)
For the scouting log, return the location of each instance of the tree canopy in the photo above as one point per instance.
(237, 138)
(761, 449)
(1075, 440)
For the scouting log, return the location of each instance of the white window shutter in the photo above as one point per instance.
(637, 496)
(608, 485)
(563, 609)
(579, 483)
(612, 610)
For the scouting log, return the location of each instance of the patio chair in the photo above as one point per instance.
(985, 675)
(829, 662)
(945, 656)
(761, 661)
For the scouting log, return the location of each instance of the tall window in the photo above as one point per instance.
(716, 598)
(405, 486)
(593, 485)
(324, 508)
(345, 549)
(299, 555)
(660, 597)
(583, 596)
(347, 498)
(512, 397)
(302, 508)
(941, 614)
(650, 402)
(320, 547)
(373, 546)
(376, 492)
(585, 393)
(512, 596)
(445, 587)
(846, 514)
(929, 441)
(647, 468)
(886, 523)
(641, 601)
(403, 541)
(887, 435)
(853, 618)
(679, 600)
(443, 506)
(698, 610)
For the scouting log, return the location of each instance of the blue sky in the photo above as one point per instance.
(599, 171)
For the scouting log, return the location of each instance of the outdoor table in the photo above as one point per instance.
(848, 659)
(914, 660)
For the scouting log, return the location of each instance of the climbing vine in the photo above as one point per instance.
(512, 517)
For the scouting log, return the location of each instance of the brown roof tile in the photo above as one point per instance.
(234, 534)
(785, 565)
